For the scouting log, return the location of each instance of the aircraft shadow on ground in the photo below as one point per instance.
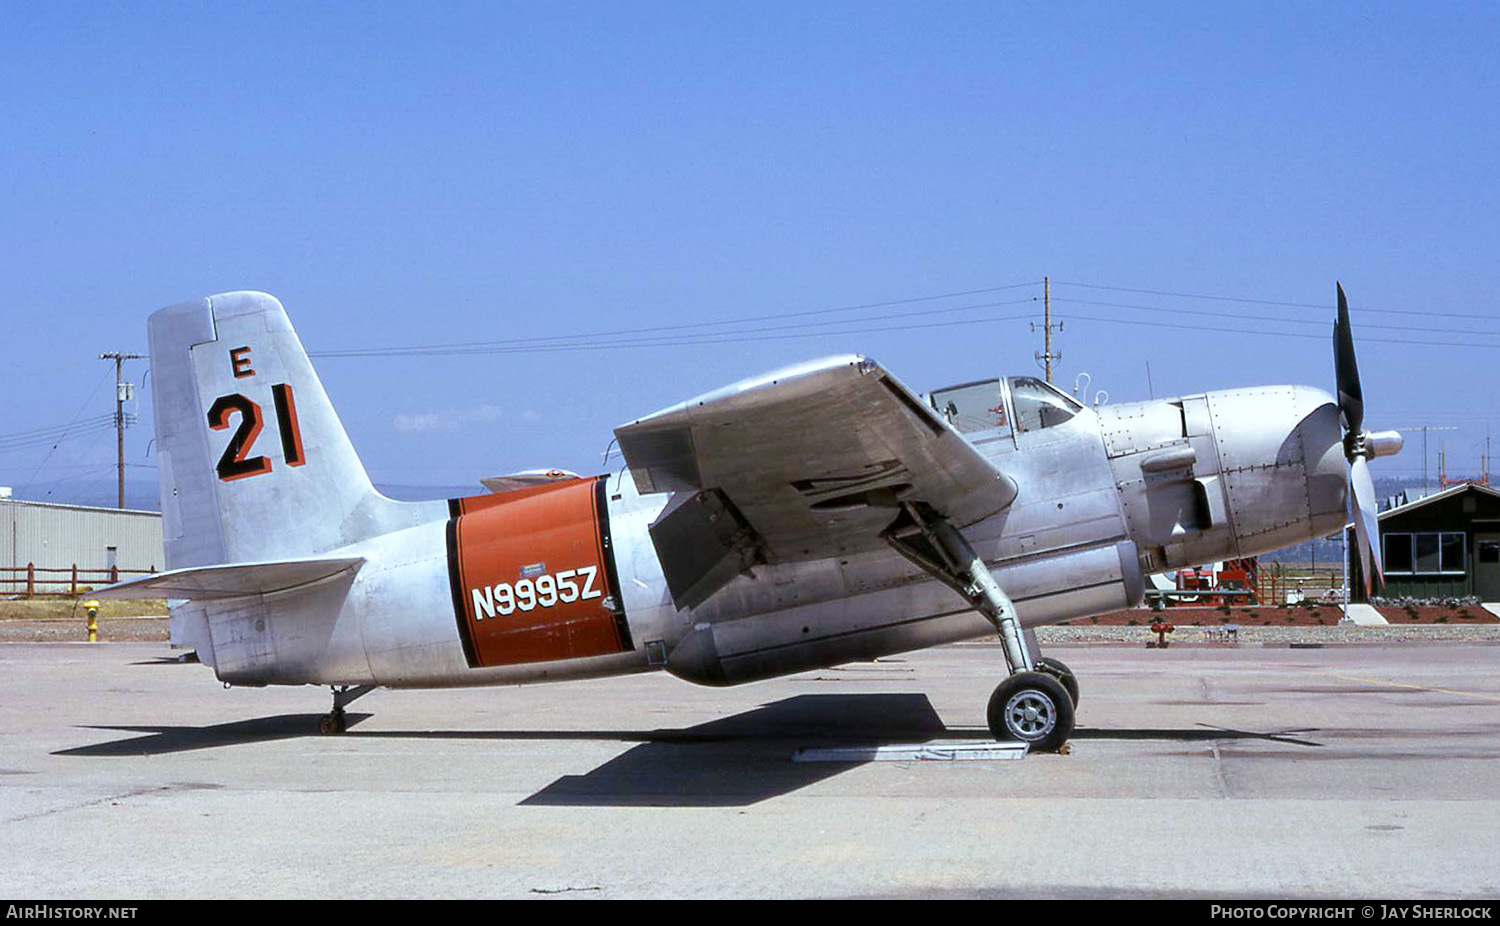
(1202, 733)
(168, 661)
(733, 761)
(745, 759)
(161, 740)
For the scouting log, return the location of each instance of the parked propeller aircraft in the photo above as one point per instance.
(816, 515)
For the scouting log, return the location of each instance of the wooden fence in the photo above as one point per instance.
(31, 580)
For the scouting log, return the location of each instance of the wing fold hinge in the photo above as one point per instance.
(703, 542)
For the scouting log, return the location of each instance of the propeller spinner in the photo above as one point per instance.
(1360, 446)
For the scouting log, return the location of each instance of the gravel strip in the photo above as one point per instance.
(1271, 636)
(154, 630)
(111, 630)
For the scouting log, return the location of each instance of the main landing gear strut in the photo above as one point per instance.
(1035, 703)
(333, 722)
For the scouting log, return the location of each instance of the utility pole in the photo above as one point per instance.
(123, 393)
(1046, 356)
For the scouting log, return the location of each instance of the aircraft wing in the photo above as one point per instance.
(802, 463)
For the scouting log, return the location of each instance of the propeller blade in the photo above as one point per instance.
(1351, 397)
(1366, 524)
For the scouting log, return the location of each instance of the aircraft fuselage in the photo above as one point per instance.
(566, 580)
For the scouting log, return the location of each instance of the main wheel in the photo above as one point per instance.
(1032, 707)
(1064, 674)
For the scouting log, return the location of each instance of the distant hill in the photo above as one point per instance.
(95, 490)
(1331, 549)
(426, 493)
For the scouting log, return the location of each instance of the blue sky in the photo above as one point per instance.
(411, 174)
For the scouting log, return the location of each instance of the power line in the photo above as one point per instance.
(43, 431)
(718, 337)
(42, 436)
(1277, 318)
(78, 415)
(732, 330)
(1407, 342)
(517, 345)
(1297, 305)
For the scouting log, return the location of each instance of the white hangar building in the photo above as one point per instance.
(43, 543)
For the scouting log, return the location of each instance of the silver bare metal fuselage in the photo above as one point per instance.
(1102, 499)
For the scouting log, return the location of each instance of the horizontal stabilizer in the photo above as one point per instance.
(232, 580)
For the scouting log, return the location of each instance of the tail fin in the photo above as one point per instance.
(253, 462)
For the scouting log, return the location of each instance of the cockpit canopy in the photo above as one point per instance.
(1026, 402)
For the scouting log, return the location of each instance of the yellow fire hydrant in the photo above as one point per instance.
(92, 609)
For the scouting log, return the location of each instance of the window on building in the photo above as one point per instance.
(1398, 555)
(1453, 547)
(1426, 553)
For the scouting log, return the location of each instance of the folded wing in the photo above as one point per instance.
(803, 463)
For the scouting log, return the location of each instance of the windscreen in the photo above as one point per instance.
(1039, 405)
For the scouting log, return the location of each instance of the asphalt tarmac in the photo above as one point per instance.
(1361, 771)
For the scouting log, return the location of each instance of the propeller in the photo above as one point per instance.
(1360, 446)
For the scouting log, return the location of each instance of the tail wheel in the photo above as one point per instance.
(1034, 708)
(1059, 669)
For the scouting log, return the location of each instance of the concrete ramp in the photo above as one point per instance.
(1365, 615)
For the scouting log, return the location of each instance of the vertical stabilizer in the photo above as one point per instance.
(253, 461)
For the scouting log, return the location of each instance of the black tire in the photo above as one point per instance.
(1058, 668)
(1033, 708)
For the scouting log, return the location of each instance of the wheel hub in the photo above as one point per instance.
(1030, 714)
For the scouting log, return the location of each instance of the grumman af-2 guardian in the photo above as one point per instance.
(817, 515)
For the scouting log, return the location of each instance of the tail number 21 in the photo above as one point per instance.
(236, 463)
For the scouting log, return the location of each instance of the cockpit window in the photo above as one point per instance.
(1039, 405)
(973, 406)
